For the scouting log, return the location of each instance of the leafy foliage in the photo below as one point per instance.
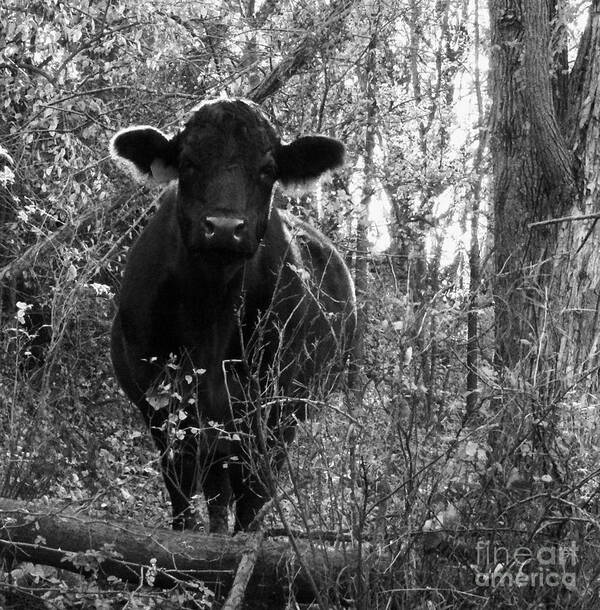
(395, 467)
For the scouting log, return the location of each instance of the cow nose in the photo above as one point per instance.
(221, 228)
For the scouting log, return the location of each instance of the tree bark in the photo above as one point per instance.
(532, 180)
(52, 536)
(555, 158)
(546, 165)
(577, 264)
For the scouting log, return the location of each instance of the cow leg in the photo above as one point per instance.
(251, 497)
(180, 474)
(256, 476)
(216, 485)
(254, 485)
(179, 469)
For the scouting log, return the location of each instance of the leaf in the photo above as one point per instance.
(71, 272)
(517, 481)
(22, 309)
(158, 401)
(471, 449)
(126, 495)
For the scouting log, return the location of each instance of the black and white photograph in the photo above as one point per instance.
(299, 304)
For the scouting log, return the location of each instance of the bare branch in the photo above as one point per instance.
(301, 55)
(553, 221)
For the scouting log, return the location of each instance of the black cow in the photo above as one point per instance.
(231, 311)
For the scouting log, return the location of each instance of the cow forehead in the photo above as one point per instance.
(230, 123)
(216, 108)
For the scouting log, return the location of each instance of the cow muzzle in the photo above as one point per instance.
(226, 233)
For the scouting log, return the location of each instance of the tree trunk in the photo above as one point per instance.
(532, 180)
(546, 158)
(516, 179)
(577, 267)
(51, 536)
(7, 289)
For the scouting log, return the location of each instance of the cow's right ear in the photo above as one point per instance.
(146, 153)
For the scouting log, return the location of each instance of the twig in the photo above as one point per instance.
(553, 221)
(318, 535)
(28, 258)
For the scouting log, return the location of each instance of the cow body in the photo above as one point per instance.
(231, 313)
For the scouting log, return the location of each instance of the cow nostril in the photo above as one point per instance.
(239, 230)
(209, 228)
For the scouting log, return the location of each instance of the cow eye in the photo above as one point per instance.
(187, 169)
(268, 171)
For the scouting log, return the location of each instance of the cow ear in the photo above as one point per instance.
(306, 159)
(146, 153)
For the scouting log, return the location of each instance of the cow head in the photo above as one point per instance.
(226, 160)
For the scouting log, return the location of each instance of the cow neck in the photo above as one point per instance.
(210, 287)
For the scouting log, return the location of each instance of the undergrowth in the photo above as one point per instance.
(444, 511)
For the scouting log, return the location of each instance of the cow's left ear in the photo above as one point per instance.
(307, 158)
(146, 153)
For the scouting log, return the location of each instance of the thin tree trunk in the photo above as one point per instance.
(361, 270)
(424, 273)
(474, 258)
(361, 275)
(7, 288)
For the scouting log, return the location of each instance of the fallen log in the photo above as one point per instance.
(158, 557)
